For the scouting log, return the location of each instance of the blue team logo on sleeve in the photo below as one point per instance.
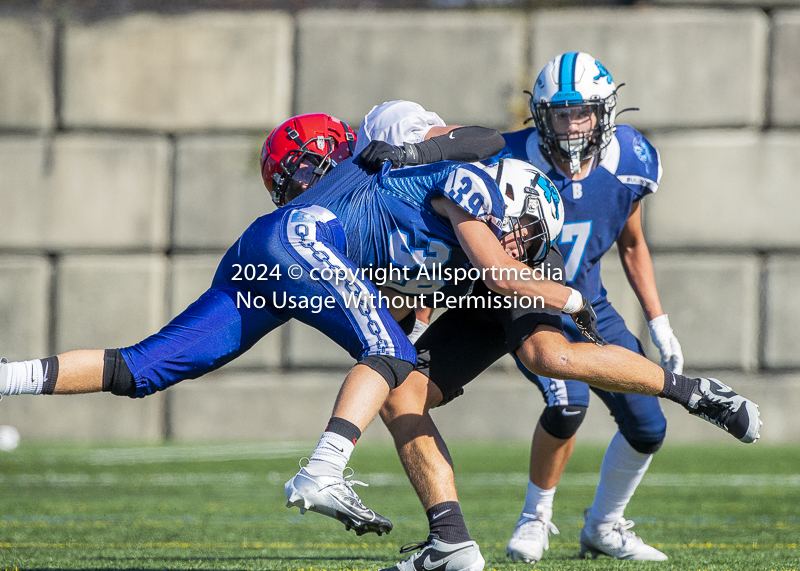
(642, 151)
(603, 73)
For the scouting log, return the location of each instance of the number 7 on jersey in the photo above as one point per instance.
(577, 234)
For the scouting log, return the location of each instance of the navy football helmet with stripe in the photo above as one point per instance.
(574, 108)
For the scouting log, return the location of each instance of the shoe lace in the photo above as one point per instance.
(419, 545)
(714, 412)
(408, 547)
(623, 528)
(349, 483)
(704, 405)
(534, 525)
(346, 480)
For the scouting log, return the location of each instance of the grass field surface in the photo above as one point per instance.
(221, 506)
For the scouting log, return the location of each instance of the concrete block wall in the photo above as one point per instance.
(25, 305)
(786, 26)
(215, 181)
(26, 66)
(100, 298)
(466, 66)
(129, 152)
(682, 68)
(200, 71)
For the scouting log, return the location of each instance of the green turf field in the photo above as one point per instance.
(222, 507)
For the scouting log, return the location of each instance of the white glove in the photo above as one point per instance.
(667, 343)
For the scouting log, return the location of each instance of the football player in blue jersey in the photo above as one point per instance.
(170, 355)
(603, 170)
(312, 260)
(464, 342)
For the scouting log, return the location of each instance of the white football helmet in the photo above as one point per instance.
(534, 210)
(574, 107)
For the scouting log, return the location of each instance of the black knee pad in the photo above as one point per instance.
(117, 377)
(562, 421)
(643, 447)
(392, 369)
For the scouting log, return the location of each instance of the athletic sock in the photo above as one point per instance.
(446, 523)
(419, 328)
(29, 377)
(334, 448)
(677, 388)
(622, 470)
(538, 500)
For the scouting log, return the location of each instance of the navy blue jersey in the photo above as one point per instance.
(389, 221)
(597, 207)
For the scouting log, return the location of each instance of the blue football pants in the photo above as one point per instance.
(306, 246)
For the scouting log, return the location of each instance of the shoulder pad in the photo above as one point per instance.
(476, 192)
(633, 160)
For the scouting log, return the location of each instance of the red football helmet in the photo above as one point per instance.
(301, 151)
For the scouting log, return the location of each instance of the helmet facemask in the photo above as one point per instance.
(529, 230)
(302, 168)
(566, 131)
(530, 234)
(302, 150)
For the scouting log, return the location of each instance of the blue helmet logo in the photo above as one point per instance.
(603, 72)
(552, 196)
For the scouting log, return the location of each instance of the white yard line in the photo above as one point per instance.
(71, 479)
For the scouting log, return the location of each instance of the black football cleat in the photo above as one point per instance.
(719, 404)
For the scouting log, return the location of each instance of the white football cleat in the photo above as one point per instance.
(531, 537)
(618, 541)
(334, 497)
(720, 405)
(436, 555)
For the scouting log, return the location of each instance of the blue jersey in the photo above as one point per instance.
(389, 221)
(597, 207)
(350, 220)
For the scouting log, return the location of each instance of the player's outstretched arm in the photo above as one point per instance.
(465, 144)
(638, 265)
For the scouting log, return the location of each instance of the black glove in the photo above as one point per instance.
(378, 152)
(586, 321)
